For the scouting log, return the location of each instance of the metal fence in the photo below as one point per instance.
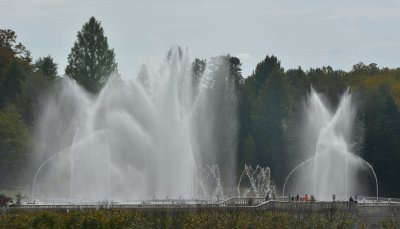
(369, 206)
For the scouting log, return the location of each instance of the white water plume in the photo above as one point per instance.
(333, 168)
(137, 139)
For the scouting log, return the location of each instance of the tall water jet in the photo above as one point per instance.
(332, 168)
(137, 139)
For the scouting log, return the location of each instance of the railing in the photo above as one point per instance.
(281, 203)
(366, 199)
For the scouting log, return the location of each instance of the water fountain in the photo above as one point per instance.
(259, 180)
(209, 182)
(142, 138)
(138, 139)
(333, 168)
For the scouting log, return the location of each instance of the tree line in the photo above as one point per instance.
(270, 105)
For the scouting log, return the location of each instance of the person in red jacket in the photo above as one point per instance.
(306, 198)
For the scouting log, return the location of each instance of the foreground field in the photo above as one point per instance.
(199, 218)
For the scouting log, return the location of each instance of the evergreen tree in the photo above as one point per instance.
(263, 70)
(47, 66)
(268, 118)
(91, 61)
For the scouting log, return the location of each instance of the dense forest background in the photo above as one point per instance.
(270, 110)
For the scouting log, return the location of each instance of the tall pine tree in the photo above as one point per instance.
(91, 61)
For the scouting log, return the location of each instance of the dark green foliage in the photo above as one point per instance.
(44, 220)
(248, 155)
(158, 218)
(34, 89)
(14, 66)
(235, 70)
(8, 40)
(21, 90)
(272, 106)
(268, 116)
(269, 105)
(13, 76)
(362, 69)
(262, 72)
(91, 61)
(382, 143)
(47, 66)
(14, 140)
(393, 220)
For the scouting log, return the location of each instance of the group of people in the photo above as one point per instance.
(297, 198)
(307, 198)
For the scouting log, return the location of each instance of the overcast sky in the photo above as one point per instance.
(306, 33)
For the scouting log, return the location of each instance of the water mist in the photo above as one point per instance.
(332, 168)
(138, 139)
